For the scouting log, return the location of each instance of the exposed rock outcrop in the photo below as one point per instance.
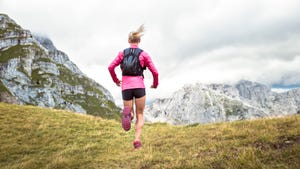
(201, 103)
(34, 72)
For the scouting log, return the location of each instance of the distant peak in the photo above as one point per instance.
(45, 42)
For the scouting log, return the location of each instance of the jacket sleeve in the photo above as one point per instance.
(150, 65)
(111, 68)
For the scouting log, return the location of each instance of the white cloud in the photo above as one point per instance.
(189, 41)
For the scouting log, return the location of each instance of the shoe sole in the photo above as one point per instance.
(137, 144)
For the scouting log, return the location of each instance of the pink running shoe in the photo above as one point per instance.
(126, 118)
(137, 144)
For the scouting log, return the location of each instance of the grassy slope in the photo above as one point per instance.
(32, 137)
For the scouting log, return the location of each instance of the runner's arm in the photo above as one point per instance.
(111, 68)
(148, 63)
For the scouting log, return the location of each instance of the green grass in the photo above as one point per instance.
(13, 52)
(92, 106)
(89, 103)
(3, 88)
(33, 137)
(67, 76)
(19, 51)
(10, 27)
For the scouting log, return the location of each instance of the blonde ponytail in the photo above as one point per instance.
(135, 36)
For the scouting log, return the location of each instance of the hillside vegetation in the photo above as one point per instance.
(35, 72)
(33, 137)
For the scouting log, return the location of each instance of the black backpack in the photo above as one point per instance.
(130, 64)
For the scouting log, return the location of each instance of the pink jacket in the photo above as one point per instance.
(131, 82)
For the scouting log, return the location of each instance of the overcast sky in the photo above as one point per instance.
(205, 41)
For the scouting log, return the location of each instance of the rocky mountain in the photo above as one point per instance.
(211, 103)
(34, 72)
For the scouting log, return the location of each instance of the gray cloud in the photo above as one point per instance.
(189, 41)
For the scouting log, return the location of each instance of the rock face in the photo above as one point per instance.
(33, 71)
(201, 103)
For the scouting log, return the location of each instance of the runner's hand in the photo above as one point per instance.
(119, 83)
(153, 87)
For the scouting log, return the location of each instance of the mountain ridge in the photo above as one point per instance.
(209, 103)
(34, 72)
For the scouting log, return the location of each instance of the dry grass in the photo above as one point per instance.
(32, 137)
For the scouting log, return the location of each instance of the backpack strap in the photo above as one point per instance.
(134, 51)
(137, 52)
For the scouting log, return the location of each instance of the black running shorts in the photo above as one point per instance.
(129, 94)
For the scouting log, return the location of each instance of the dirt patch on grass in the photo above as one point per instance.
(283, 143)
(287, 142)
